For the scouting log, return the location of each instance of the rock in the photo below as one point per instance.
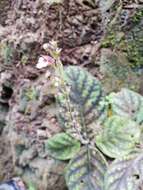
(42, 171)
(117, 72)
(6, 162)
(135, 46)
(32, 114)
(27, 155)
(105, 5)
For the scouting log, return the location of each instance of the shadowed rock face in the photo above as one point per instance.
(6, 165)
(5, 94)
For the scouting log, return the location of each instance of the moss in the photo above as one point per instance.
(135, 47)
(130, 43)
(112, 39)
(134, 56)
(137, 17)
(31, 94)
(117, 72)
(109, 40)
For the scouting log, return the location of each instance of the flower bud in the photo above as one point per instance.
(46, 46)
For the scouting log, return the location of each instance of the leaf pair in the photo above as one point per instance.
(87, 169)
(120, 134)
(122, 131)
(90, 172)
(87, 166)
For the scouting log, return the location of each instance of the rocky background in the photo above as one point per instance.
(106, 37)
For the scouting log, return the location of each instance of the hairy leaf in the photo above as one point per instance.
(62, 146)
(86, 170)
(125, 173)
(119, 137)
(83, 105)
(129, 104)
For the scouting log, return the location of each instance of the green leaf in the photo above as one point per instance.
(83, 106)
(125, 173)
(62, 146)
(86, 170)
(119, 137)
(129, 104)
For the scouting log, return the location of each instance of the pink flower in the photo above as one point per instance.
(44, 61)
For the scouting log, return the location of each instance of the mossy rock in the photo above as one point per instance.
(135, 46)
(117, 72)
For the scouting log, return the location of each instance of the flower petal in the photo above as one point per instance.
(44, 61)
